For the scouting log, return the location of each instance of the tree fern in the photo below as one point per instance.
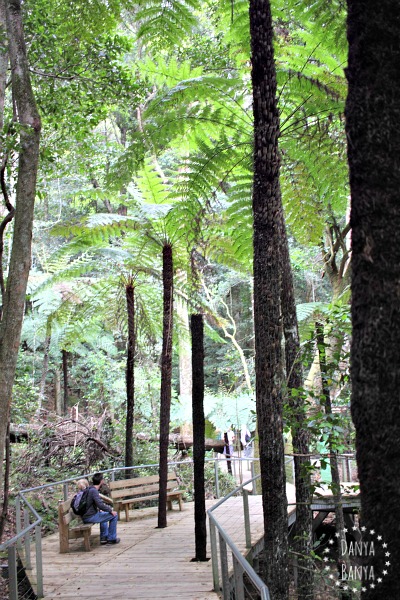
(165, 23)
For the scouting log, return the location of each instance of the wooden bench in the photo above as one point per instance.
(127, 492)
(71, 527)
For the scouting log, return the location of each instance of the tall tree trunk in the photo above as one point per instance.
(57, 392)
(300, 436)
(200, 528)
(3, 150)
(268, 215)
(166, 378)
(372, 127)
(3, 60)
(45, 365)
(130, 376)
(6, 489)
(326, 402)
(65, 379)
(20, 261)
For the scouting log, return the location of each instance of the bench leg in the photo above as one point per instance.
(169, 504)
(126, 506)
(180, 503)
(86, 540)
(64, 540)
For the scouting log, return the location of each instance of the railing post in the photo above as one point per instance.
(27, 541)
(224, 568)
(253, 474)
(238, 576)
(246, 514)
(65, 491)
(18, 520)
(12, 573)
(39, 563)
(214, 556)
(216, 479)
(348, 468)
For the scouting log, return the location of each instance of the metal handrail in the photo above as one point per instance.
(240, 564)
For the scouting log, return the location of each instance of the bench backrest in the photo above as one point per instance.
(65, 513)
(140, 485)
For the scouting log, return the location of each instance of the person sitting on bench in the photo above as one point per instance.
(99, 512)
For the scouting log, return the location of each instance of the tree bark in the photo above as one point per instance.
(166, 378)
(200, 527)
(300, 435)
(6, 489)
(3, 59)
(268, 215)
(45, 365)
(20, 261)
(327, 404)
(65, 379)
(130, 376)
(373, 135)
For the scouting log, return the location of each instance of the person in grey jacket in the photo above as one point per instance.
(98, 511)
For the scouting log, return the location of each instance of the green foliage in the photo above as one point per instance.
(165, 25)
(227, 482)
(335, 428)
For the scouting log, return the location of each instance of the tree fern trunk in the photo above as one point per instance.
(166, 378)
(64, 354)
(20, 261)
(372, 126)
(267, 212)
(300, 436)
(130, 376)
(200, 528)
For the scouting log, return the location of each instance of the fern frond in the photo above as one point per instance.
(166, 23)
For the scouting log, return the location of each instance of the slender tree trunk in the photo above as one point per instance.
(20, 261)
(166, 378)
(372, 126)
(130, 376)
(45, 366)
(65, 379)
(200, 528)
(4, 510)
(3, 150)
(57, 392)
(268, 215)
(337, 495)
(3, 59)
(300, 436)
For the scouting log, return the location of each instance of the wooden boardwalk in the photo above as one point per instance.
(149, 562)
(152, 563)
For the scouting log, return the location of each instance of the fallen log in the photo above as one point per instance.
(184, 442)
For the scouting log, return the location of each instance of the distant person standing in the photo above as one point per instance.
(231, 440)
(99, 512)
(245, 438)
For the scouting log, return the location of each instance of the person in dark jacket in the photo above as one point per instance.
(99, 512)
